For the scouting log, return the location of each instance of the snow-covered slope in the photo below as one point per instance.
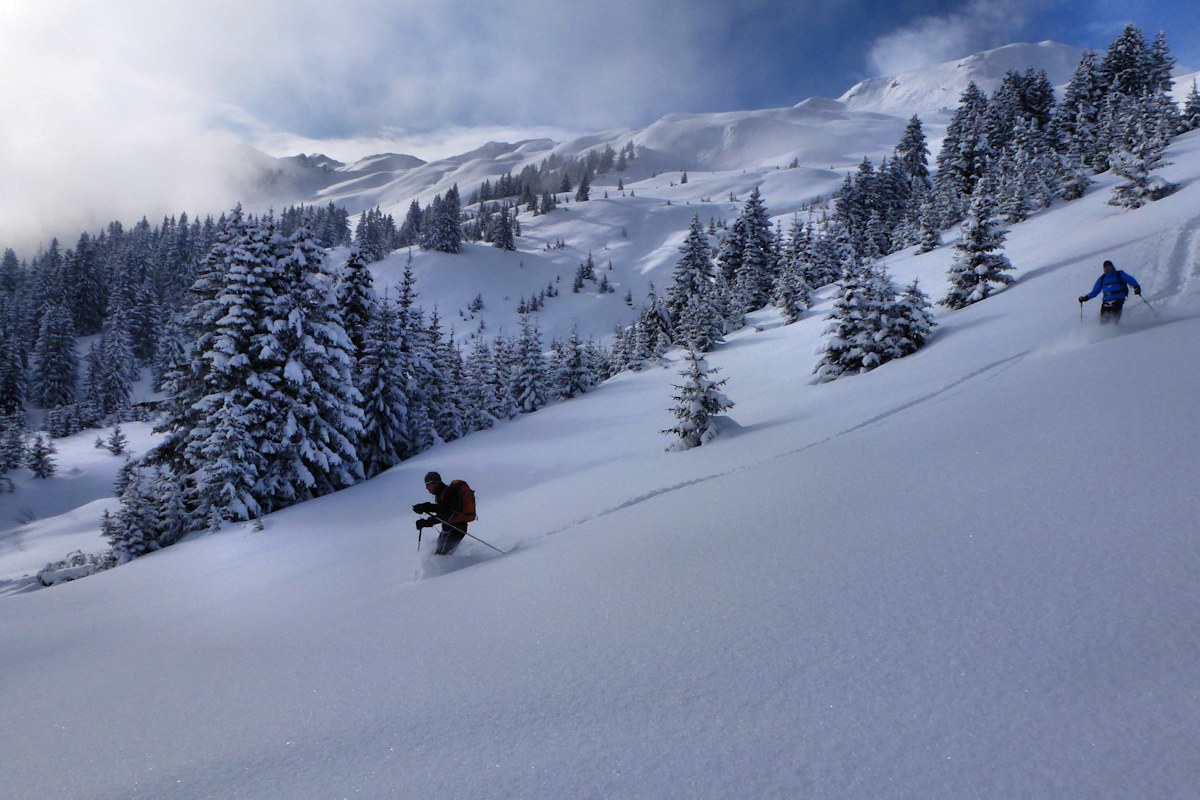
(969, 573)
(938, 88)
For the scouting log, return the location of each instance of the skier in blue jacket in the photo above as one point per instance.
(1114, 283)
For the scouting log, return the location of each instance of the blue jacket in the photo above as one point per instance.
(1115, 285)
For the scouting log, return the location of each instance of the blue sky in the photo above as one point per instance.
(92, 89)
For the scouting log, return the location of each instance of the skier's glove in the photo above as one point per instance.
(1082, 299)
(422, 524)
(1137, 290)
(424, 508)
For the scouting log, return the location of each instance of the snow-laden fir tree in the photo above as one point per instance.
(14, 382)
(792, 294)
(978, 261)
(1138, 150)
(39, 457)
(135, 530)
(911, 321)
(504, 237)
(530, 387)
(963, 159)
(442, 225)
(112, 371)
(313, 408)
(443, 380)
(500, 366)
(384, 440)
(701, 326)
(858, 337)
(1074, 124)
(693, 271)
(12, 442)
(1191, 109)
(478, 388)
(418, 359)
(356, 297)
(573, 375)
(912, 154)
(756, 273)
(55, 366)
(117, 441)
(698, 403)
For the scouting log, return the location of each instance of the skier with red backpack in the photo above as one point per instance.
(453, 509)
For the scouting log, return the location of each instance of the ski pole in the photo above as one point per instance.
(1080, 311)
(1152, 308)
(473, 536)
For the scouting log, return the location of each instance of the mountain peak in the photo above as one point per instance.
(937, 87)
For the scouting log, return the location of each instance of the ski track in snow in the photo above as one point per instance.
(1183, 262)
(948, 391)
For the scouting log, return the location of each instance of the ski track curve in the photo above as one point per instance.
(1182, 271)
(954, 386)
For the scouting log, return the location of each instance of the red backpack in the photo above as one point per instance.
(467, 501)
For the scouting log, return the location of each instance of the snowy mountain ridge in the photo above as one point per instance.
(820, 133)
(935, 89)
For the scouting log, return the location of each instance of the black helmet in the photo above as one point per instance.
(432, 477)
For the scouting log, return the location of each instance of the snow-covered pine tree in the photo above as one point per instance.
(1191, 109)
(169, 355)
(530, 387)
(112, 371)
(1138, 150)
(701, 325)
(504, 237)
(857, 337)
(698, 403)
(478, 388)
(135, 530)
(573, 375)
(977, 263)
(443, 379)
(965, 152)
(792, 294)
(12, 442)
(1125, 67)
(312, 407)
(442, 227)
(229, 463)
(912, 153)
(55, 365)
(381, 377)
(14, 381)
(503, 366)
(410, 230)
(418, 358)
(929, 232)
(39, 457)
(117, 441)
(356, 297)
(1074, 123)
(912, 321)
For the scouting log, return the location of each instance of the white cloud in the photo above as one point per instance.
(934, 39)
(124, 108)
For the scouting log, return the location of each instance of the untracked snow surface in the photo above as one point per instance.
(969, 573)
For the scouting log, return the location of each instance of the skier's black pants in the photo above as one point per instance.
(1110, 311)
(449, 538)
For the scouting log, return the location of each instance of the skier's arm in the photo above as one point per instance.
(1096, 289)
(1132, 282)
